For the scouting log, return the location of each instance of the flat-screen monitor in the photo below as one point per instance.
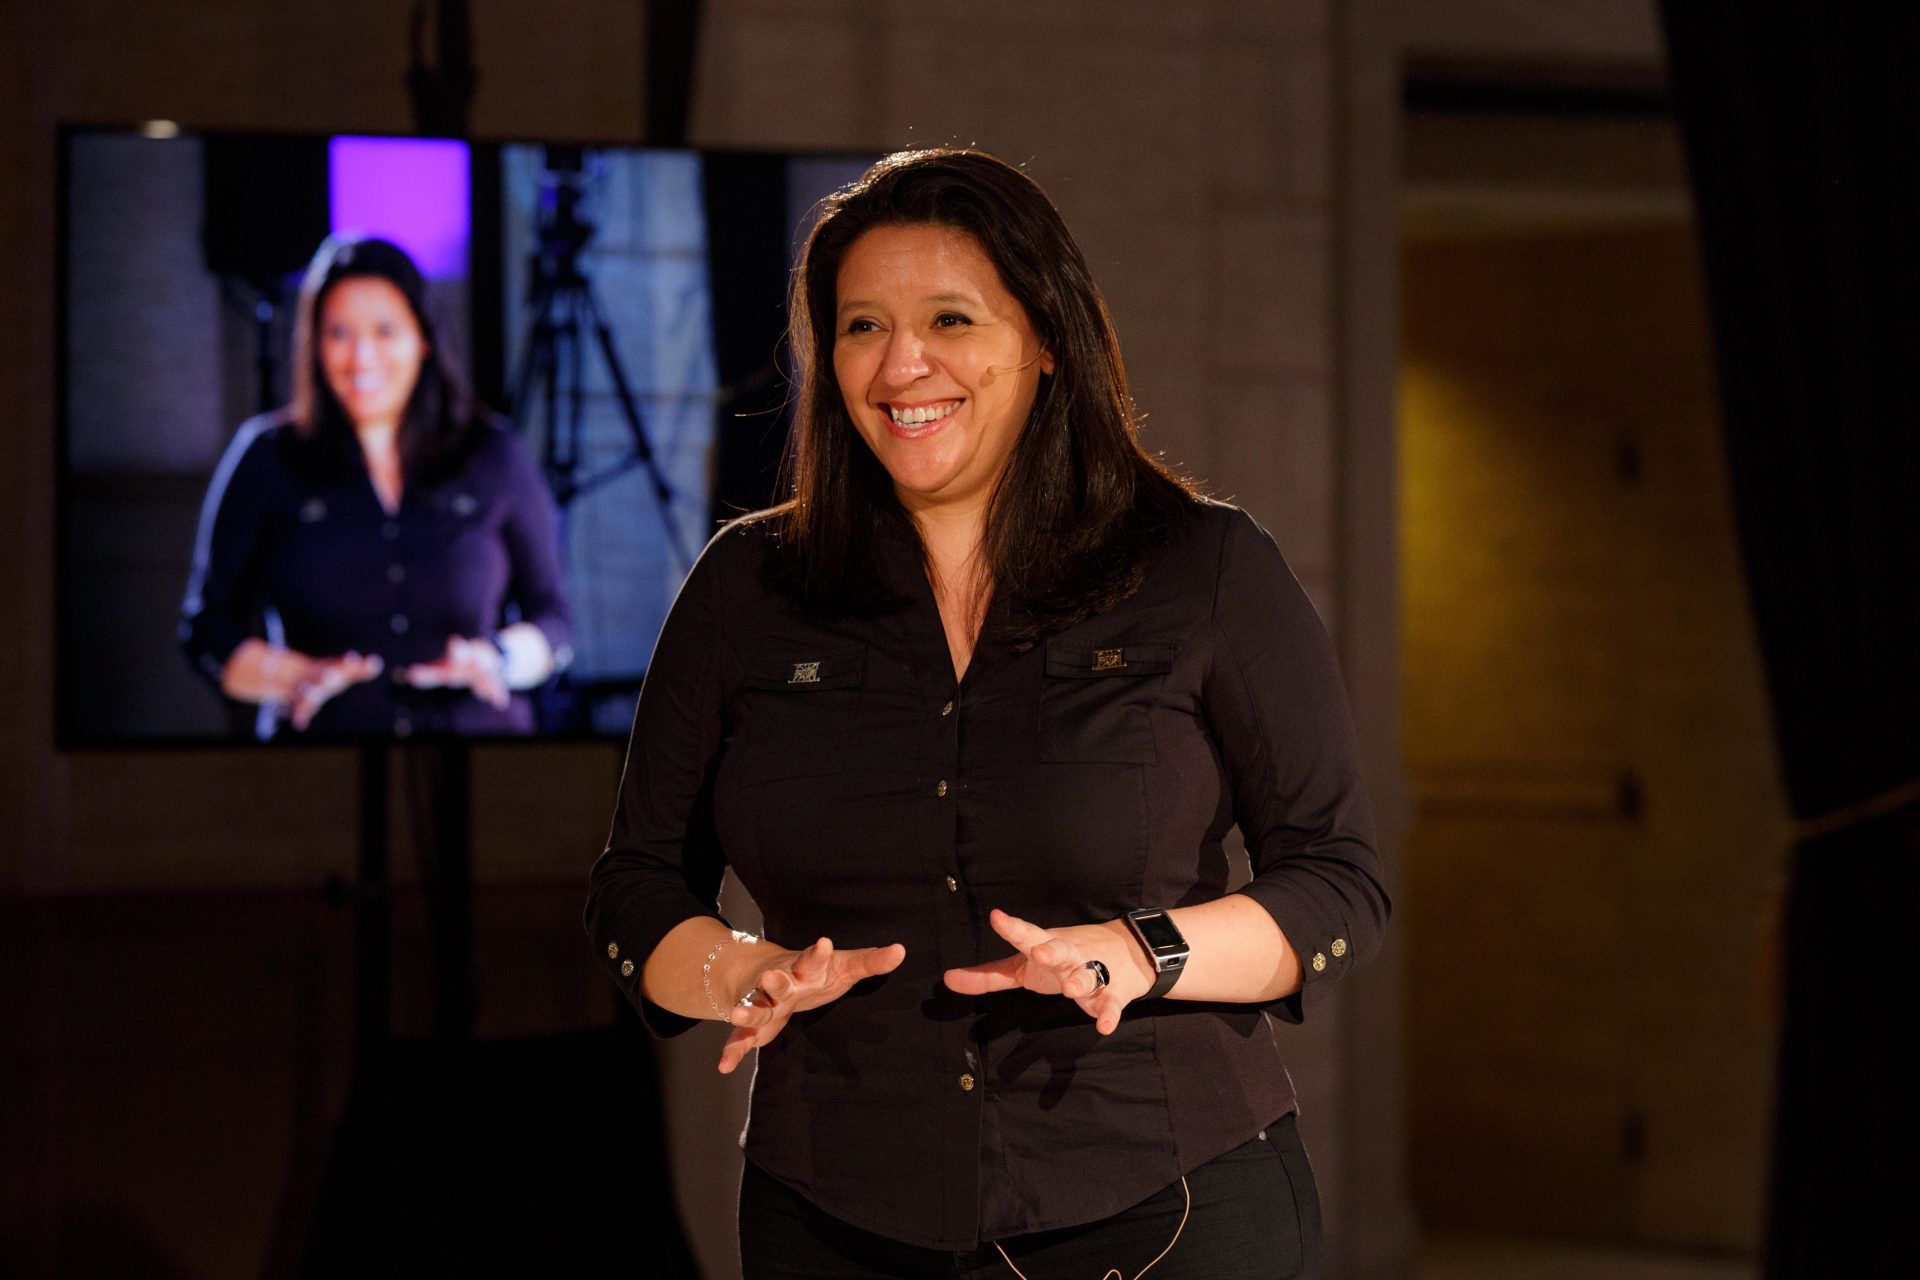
(263, 540)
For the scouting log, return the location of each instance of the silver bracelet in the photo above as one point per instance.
(706, 974)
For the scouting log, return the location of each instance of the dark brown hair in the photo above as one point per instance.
(1080, 507)
(436, 427)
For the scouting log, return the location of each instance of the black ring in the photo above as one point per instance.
(1100, 975)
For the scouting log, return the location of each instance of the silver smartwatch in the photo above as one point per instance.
(1165, 945)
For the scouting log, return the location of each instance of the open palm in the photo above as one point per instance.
(801, 980)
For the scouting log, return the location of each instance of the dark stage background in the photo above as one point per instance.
(1268, 192)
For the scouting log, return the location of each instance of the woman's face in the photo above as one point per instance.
(936, 361)
(371, 349)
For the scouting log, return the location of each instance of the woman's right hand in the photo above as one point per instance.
(261, 672)
(798, 980)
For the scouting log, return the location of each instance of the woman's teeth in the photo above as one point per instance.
(368, 381)
(922, 415)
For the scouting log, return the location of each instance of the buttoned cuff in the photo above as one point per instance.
(623, 941)
(1325, 947)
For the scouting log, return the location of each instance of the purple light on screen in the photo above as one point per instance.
(412, 191)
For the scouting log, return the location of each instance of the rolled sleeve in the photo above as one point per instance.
(1275, 701)
(663, 863)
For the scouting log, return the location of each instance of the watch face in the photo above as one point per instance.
(1159, 932)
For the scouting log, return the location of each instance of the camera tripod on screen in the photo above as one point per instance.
(567, 324)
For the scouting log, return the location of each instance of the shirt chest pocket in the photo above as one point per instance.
(796, 713)
(1094, 704)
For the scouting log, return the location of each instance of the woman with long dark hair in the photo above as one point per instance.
(971, 716)
(380, 556)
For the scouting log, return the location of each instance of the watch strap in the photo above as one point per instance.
(1167, 967)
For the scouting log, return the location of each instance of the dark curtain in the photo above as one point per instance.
(1801, 120)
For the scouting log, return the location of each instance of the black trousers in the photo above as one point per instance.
(1256, 1216)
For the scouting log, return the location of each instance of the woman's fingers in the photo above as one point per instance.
(816, 976)
(822, 970)
(474, 665)
(480, 666)
(812, 964)
(1050, 963)
(820, 975)
(492, 690)
(327, 677)
(879, 960)
(357, 667)
(314, 692)
(996, 975)
(1040, 946)
(428, 675)
(776, 984)
(1021, 933)
(757, 1014)
(739, 1041)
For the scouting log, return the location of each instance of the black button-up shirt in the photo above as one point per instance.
(307, 557)
(861, 793)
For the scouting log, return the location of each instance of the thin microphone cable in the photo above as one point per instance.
(1114, 1273)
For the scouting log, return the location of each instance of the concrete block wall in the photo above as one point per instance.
(1189, 148)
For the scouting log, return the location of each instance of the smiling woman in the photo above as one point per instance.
(371, 350)
(359, 551)
(938, 366)
(970, 716)
(937, 362)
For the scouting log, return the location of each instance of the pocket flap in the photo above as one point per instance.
(798, 672)
(1122, 659)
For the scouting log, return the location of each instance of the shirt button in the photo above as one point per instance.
(948, 709)
(941, 790)
(399, 624)
(396, 574)
(953, 886)
(966, 1082)
(402, 726)
(1319, 962)
(390, 531)
(1339, 947)
(613, 951)
(626, 968)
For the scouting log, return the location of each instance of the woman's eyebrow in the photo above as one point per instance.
(852, 304)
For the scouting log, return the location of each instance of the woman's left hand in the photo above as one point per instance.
(476, 665)
(1054, 962)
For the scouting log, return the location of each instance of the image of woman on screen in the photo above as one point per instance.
(971, 716)
(380, 557)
